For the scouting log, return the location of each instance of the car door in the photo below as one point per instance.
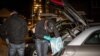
(90, 47)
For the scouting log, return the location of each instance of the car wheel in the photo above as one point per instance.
(34, 53)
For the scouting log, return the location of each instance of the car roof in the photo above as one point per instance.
(77, 41)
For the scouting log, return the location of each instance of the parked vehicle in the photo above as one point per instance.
(72, 29)
(87, 43)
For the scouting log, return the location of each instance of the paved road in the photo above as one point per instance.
(3, 48)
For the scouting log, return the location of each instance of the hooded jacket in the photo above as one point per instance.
(15, 29)
(40, 30)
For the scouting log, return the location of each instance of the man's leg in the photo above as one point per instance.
(38, 44)
(12, 49)
(44, 48)
(20, 49)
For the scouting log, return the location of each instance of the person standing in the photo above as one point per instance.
(15, 29)
(45, 26)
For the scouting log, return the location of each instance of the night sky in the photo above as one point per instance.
(22, 6)
(91, 7)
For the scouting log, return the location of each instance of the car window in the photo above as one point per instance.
(93, 39)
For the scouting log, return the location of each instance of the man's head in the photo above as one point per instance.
(13, 12)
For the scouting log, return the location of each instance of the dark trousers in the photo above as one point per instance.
(41, 47)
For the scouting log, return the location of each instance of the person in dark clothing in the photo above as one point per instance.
(15, 29)
(45, 26)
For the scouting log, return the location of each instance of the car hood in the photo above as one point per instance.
(72, 13)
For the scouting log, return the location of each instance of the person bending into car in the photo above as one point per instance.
(45, 26)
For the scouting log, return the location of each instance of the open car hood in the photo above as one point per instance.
(73, 13)
(69, 11)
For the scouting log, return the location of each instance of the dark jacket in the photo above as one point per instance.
(40, 30)
(15, 29)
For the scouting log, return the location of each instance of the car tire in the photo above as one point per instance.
(29, 50)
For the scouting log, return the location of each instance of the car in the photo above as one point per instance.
(64, 27)
(87, 43)
(68, 30)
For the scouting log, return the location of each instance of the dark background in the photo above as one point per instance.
(91, 7)
(22, 6)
